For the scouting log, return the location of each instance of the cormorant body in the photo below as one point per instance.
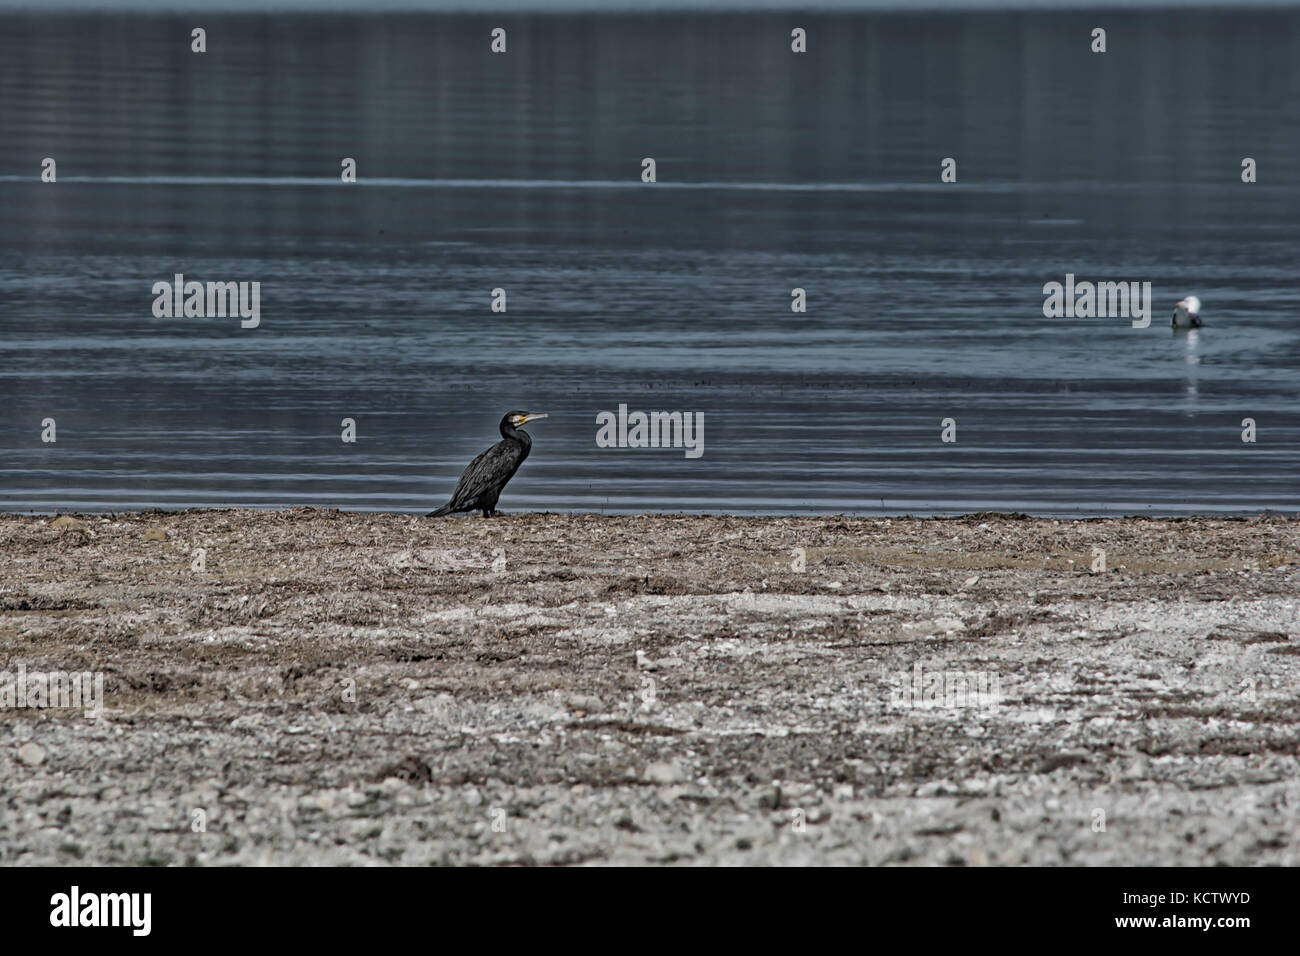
(480, 486)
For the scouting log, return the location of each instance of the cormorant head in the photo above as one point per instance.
(515, 419)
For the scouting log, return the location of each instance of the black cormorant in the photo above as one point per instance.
(481, 485)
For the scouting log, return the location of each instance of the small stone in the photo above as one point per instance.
(65, 521)
(585, 702)
(31, 754)
(323, 801)
(155, 534)
(664, 774)
(935, 788)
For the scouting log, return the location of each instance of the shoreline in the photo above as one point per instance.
(1263, 514)
(358, 688)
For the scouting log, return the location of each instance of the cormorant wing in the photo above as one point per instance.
(490, 470)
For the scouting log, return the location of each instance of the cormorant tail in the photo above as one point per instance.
(444, 510)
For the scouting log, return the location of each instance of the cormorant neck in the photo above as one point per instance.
(510, 433)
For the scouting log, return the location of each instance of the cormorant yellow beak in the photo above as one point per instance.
(525, 419)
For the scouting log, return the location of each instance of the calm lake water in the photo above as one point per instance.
(522, 171)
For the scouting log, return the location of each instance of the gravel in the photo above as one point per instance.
(350, 689)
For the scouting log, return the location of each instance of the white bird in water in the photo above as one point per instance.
(1187, 313)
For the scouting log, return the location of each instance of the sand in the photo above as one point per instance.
(336, 688)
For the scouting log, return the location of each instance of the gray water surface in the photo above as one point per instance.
(522, 171)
